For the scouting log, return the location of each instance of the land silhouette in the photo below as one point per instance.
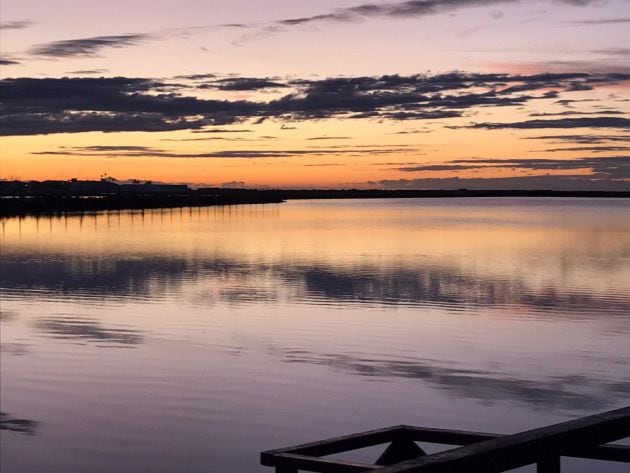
(52, 197)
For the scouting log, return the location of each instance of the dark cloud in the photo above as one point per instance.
(223, 130)
(42, 106)
(596, 122)
(243, 84)
(546, 182)
(108, 104)
(573, 113)
(145, 151)
(441, 167)
(196, 76)
(87, 46)
(209, 138)
(570, 102)
(329, 138)
(323, 165)
(610, 169)
(104, 151)
(592, 149)
(582, 138)
(15, 25)
(8, 62)
(17, 424)
(88, 72)
(410, 132)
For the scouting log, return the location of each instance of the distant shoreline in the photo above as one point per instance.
(54, 204)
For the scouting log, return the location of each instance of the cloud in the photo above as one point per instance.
(410, 132)
(15, 25)
(16, 424)
(84, 72)
(209, 138)
(596, 122)
(582, 138)
(602, 21)
(223, 130)
(8, 62)
(109, 104)
(613, 51)
(315, 138)
(574, 112)
(87, 47)
(592, 149)
(401, 10)
(243, 84)
(196, 76)
(323, 165)
(112, 151)
(546, 182)
(43, 106)
(608, 168)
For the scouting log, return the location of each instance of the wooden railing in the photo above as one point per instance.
(586, 437)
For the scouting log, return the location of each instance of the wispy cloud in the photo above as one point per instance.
(112, 151)
(88, 47)
(615, 167)
(406, 9)
(8, 62)
(602, 21)
(86, 72)
(586, 138)
(243, 84)
(595, 122)
(15, 25)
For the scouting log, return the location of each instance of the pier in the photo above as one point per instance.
(475, 452)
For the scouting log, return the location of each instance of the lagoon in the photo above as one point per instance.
(192, 339)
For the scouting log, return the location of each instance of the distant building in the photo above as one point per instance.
(75, 187)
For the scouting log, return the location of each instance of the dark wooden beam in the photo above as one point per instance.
(337, 444)
(512, 451)
(610, 452)
(292, 461)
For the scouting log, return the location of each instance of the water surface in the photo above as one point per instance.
(188, 340)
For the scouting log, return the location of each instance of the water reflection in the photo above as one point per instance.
(87, 330)
(256, 327)
(564, 392)
(237, 281)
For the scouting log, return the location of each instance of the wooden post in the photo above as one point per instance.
(286, 469)
(548, 465)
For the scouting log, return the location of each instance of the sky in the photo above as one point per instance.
(425, 94)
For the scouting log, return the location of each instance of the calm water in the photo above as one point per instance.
(190, 340)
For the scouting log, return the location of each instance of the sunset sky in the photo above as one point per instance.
(435, 94)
